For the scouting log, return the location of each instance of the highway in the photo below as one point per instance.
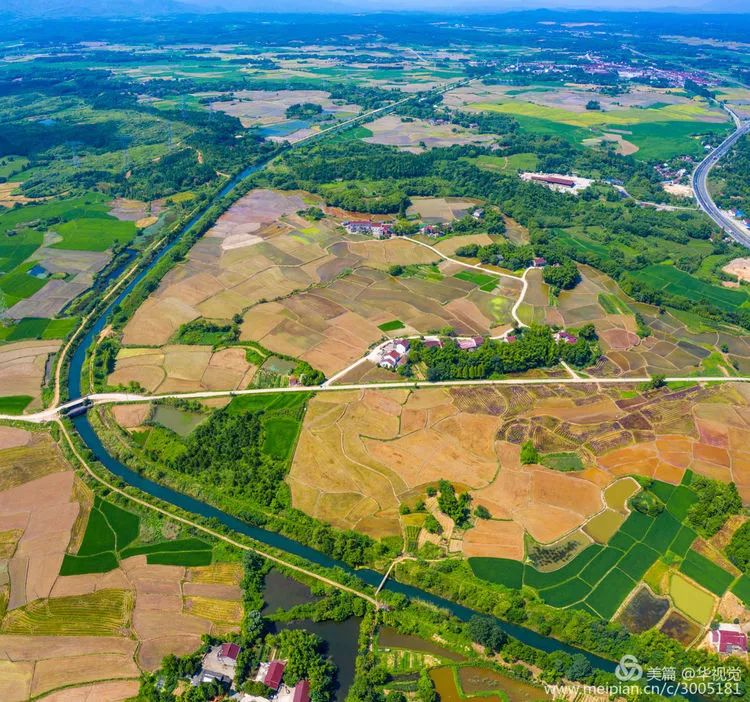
(700, 183)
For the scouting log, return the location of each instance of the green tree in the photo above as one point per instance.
(529, 454)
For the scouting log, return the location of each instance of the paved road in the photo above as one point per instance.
(103, 398)
(700, 183)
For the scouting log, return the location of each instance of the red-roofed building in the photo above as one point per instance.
(228, 653)
(554, 180)
(301, 691)
(728, 639)
(274, 675)
(539, 262)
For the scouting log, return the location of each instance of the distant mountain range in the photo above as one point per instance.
(144, 8)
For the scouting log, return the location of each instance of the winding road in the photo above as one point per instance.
(700, 182)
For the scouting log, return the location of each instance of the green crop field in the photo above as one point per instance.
(30, 328)
(706, 573)
(564, 462)
(601, 565)
(600, 578)
(676, 282)
(662, 532)
(681, 501)
(566, 593)
(479, 279)
(94, 234)
(741, 588)
(393, 325)
(502, 571)
(612, 304)
(280, 436)
(14, 404)
(110, 533)
(638, 560)
(606, 597)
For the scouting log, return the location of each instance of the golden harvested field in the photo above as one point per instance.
(362, 453)
(180, 368)
(22, 367)
(306, 290)
(115, 691)
(103, 613)
(417, 135)
(26, 455)
(439, 210)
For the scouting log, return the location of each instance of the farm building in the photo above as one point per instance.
(390, 360)
(539, 262)
(228, 653)
(470, 343)
(301, 691)
(728, 639)
(567, 338)
(274, 675)
(553, 180)
(433, 343)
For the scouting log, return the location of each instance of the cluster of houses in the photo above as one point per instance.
(669, 175)
(271, 673)
(380, 230)
(384, 230)
(394, 353)
(220, 665)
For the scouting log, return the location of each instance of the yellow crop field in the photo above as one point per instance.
(102, 613)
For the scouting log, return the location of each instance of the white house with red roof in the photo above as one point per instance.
(728, 639)
(567, 338)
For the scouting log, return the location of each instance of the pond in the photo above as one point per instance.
(479, 681)
(340, 637)
(284, 592)
(283, 128)
(644, 611)
(603, 526)
(179, 421)
(617, 494)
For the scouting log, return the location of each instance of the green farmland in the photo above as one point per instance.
(601, 577)
(112, 534)
(676, 282)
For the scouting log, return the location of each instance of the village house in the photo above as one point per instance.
(564, 336)
(539, 262)
(301, 691)
(553, 180)
(470, 343)
(394, 353)
(433, 342)
(219, 665)
(270, 674)
(431, 230)
(728, 639)
(358, 226)
(380, 230)
(478, 213)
